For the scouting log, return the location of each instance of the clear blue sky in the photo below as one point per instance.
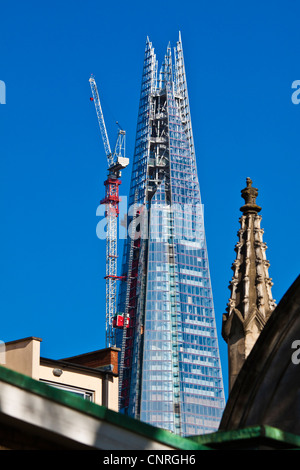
(241, 59)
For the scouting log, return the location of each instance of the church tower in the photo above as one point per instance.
(251, 302)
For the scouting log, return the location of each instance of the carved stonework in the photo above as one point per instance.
(251, 302)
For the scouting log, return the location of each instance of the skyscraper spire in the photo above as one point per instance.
(170, 372)
(251, 302)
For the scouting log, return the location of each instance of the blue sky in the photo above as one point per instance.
(241, 59)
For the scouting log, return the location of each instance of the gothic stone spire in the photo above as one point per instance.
(251, 302)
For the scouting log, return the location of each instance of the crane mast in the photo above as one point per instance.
(116, 161)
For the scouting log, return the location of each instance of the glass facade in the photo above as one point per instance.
(170, 372)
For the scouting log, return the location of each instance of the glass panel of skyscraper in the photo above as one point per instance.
(170, 371)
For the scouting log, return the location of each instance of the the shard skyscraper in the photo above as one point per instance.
(170, 371)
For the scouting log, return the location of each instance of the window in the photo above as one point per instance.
(86, 394)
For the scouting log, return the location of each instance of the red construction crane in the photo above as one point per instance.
(116, 162)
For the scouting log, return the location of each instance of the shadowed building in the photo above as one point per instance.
(267, 389)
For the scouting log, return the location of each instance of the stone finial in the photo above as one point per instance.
(249, 194)
(251, 302)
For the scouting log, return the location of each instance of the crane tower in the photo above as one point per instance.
(116, 161)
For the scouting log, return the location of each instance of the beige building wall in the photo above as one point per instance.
(24, 356)
(73, 379)
(100, 387)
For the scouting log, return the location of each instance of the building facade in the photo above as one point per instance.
(170, 371)
(92, 376)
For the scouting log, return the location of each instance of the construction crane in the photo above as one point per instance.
(116, 161)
